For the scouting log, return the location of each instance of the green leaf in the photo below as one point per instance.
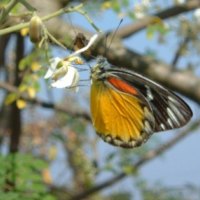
(125, 3)
(150, 32)
(4, 2)
(49, 197)
(116, 6)
(11, 98)
(120, 195)
(131, 15)
(128, 169)
(9, 196)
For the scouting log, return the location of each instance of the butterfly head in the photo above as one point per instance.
(98, 71)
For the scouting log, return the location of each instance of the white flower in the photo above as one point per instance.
(197, 15)
(62, 71)
(53, 63)
(141, 7)
(138, 11)
(146, 3)
(70, 79)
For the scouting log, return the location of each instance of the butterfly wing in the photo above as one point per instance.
(169, 110)
(120, 113)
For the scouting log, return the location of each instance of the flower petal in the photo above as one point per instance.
(52, 68)
(68, 79)
(75, 81)
(197, 15)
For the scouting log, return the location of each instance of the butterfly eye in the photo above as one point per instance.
(101, 60)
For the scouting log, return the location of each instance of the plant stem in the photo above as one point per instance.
(7, 9)
(27, 5)
(89, 19)
(48, 17)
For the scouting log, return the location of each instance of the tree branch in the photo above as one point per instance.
(44, 104)
(4, 40)
(135, 27)
(178, 53)
(20, 26)
(149, 156)
(15, 112)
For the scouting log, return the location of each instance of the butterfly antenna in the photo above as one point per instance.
(90, 67)
(105, 44)
(113, 36)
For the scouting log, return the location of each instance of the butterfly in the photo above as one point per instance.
(127, 108)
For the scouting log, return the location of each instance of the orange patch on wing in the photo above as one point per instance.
(122, 86)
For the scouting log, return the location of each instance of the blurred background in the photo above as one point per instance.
(48, 147)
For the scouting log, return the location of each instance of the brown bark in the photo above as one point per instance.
(15, 113)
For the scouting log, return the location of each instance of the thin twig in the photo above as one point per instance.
(7, 9)
(50, 16)
(27, 5)
(44, 104)
(53, 39)
(179, 51)
(45, 18)
(89, 19)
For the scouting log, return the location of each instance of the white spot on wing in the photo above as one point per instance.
(162, 126)
(173, 116)
(132, 143)
(171, 99)
(176, 111)
(169, 121)
(117, 142)
(147, 127)
(107, 138)
(148, 114)
(149, 93)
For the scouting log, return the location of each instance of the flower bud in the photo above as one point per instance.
(35, 29)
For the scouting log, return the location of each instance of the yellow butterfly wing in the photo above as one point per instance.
(120, 118)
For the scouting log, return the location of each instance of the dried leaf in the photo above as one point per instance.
(24, 31)
(31, 92)
(35, 66)
(47, 176)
